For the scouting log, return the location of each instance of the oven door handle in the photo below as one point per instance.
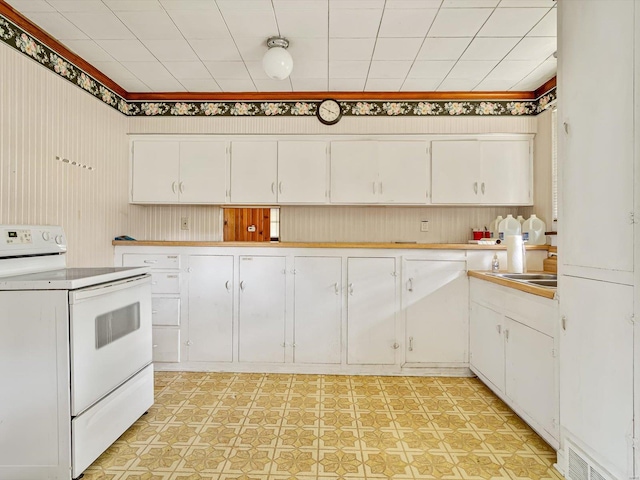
(105, 289)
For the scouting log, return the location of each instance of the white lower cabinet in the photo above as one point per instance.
(261, 313)
(317, 311)
(371, 311)
(166, 345)
(513, 350)
(436, 315)
(210, 308)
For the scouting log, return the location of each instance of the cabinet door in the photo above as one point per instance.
(371, 312)
(403, 172)
(506, 172)
(262, 309)
(203, 172)
(530, 373)
(210, 300)
(317, 309)
(486, 344)
(166, 344)
(596, 366)
(435, 302)
(455, 171)
(254, 172)
(302, 172)
(354, 172)
(155, 172)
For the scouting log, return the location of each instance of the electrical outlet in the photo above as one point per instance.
(184, 223)
(424, 226)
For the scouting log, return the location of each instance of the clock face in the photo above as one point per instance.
(329, 112)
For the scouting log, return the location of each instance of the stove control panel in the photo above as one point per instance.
(18, 240)
(18, 236)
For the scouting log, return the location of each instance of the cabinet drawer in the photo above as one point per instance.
(165, 282)
(166, 344)
(149, 260)
(165, 311)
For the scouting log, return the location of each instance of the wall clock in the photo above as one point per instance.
(329, 112)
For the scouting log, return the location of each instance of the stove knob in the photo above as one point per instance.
(45, 236)
(59, 239)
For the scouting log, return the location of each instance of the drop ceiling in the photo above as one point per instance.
(337, 45)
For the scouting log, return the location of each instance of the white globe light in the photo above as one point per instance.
(277, 63)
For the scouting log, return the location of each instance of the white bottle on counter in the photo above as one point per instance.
(533, 231)
(493, 227)
(509, 226)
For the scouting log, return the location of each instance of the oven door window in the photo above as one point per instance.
(116, 324)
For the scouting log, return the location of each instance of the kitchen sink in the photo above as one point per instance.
(543, 283)
(527, 276)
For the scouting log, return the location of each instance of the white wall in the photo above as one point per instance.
(43, 116)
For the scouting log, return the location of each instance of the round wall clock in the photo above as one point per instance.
(329, 112)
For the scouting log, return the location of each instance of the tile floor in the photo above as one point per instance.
(276, 427)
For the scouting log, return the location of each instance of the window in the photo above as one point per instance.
(554, 169)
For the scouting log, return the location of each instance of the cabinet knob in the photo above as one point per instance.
(396, 346)
(506, 333)
(351, 289)
(188, 343)
(499, 328)
(283, 344)
(242, 285)
(475, 187)
(563, 321)
(227, 285)
(336, 288)
(410, 285)
(482, 187)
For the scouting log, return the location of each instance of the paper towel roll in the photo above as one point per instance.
(515, 254)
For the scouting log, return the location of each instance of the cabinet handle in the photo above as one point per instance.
(181, 187)
(411, 344)
(283, 344)
(396, 345)
(380, 188)
(155, 345)
(273, 187)
(475, 188)
(337, 288)
(242, 285)
(506, 333)
(226, 285)
(482, 188)
(564, 322)
(189, 343)
(351, 289)
(280, 187)
(151, 261)
(153, 312)
(173, 187)
(499, 328)
(410, 285)
(293, 345)
(566, 127)
(374, 188)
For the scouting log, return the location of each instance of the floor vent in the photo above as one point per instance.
(582, 467)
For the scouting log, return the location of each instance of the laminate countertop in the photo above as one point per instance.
(523, 287)
(381, 245)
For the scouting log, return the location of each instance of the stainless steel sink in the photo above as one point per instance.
(527, 276)
(543, 283)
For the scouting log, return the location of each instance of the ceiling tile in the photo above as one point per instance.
(547, 27)
(303, 21)
(538, 76)
(270, 85)
(252, 49)
(64, 6)
(103, 26)
(57, 26)
(114, 70)
(436, 69)
(200, 24)
(236, 85)
(511, 22)
(354, 23)
(350, 4)
(389, 69)
(310, 84)
(443, 48)
(533, 48)
(471, 70)
(88, 50)
(127, 50)
(348, 69)
(512, 70)
(183, 70)
(155, 75)
(307, 48)
(346, 84)
(457, 85)
(383, 84)
(256, 71)
(489, 48)
(470, 3)
(408, 22)
(420, 84)
(409, 4)
(527, 3)
(200, 85)
(303, 68)
(459, 22)
(129, 6)
(28, 6)
(351, 48)
(221, 70)
(494, 85)
(294, 4)
(150, 25)
(397, 48)
(171, 50)
(133, 84)
(197, 5)
(251, 22)
(243, 4)
(218, 49)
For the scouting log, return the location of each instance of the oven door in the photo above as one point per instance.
(110, 337)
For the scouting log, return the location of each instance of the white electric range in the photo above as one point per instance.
(75, 355)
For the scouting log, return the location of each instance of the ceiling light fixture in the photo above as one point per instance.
(277, 62)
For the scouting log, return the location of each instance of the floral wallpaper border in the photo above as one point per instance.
(18, 39)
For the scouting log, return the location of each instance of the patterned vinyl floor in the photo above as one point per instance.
(276, 427)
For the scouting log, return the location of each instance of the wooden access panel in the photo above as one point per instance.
(239, 221)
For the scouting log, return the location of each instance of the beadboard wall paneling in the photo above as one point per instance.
(43, 116)
(542, 169)
(163, 222)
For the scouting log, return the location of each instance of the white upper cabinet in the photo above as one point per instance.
(377, 172)
(178, 172)
(302, 172)
(254, 172)
(490, 172)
